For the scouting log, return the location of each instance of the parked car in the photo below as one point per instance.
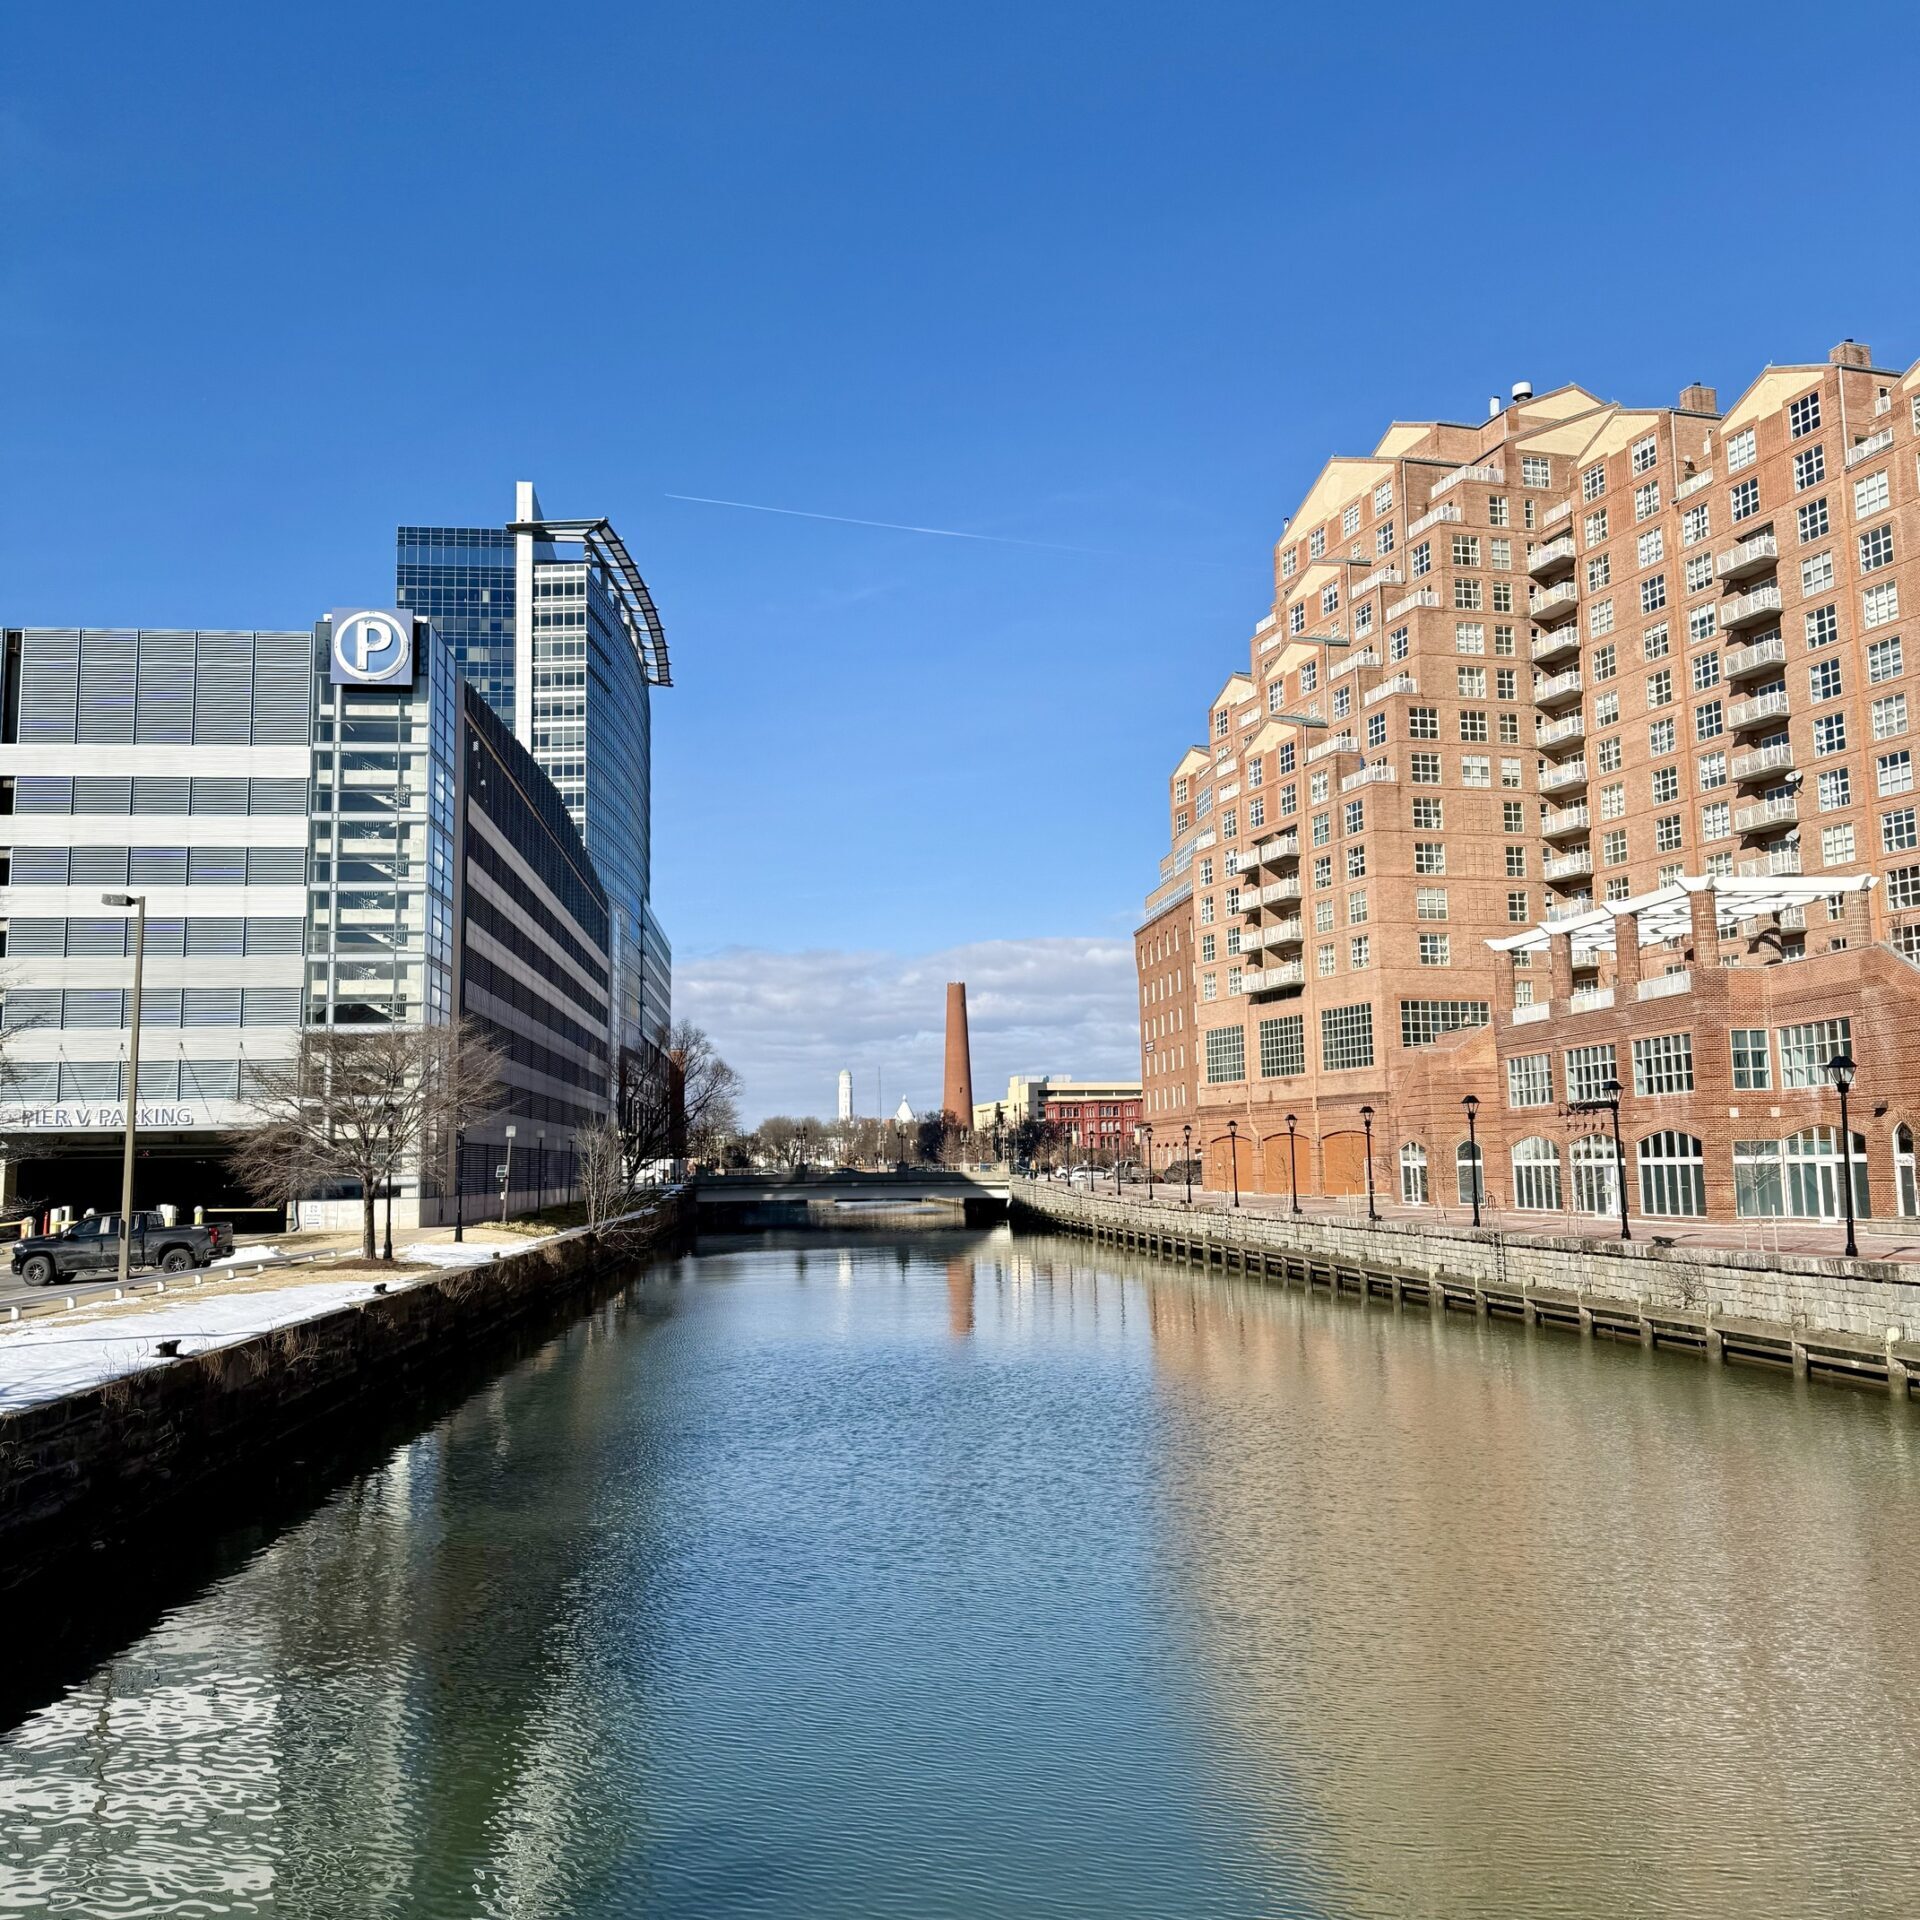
(90, 1249)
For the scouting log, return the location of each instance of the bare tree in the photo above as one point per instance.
(354, 1103)
(605, 1171)
(684, 1104)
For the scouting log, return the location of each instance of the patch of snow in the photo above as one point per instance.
(43, 1359)
(465, 1253)
(250, 1256)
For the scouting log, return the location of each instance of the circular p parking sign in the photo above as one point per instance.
(372, 648)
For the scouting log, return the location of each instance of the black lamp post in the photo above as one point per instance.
(1148, 1131)
(1116, 1166)
(1366, 1120)
(459, 1184)
(1233, 1151)
(1840, 1070)
(1293, 1162)
(1471, 1102)
(1612, 1089)
(386, 1248)
(1186, 1148)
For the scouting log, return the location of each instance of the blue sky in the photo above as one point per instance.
(1114, 278)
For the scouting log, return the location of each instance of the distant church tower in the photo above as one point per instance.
(957, 1098)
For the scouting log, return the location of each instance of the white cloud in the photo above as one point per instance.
(790, 1021)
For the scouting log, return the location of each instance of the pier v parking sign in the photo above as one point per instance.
(372, 648)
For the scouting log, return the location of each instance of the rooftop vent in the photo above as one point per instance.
(1493, 406)
(1850, 353)
(1522, 392)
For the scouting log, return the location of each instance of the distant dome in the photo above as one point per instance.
(903, 1112)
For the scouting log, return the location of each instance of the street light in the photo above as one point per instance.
(1366, 1120)
(1471, 1102)
(386, 1251)
(1233, 1148)
(1293, 1160)
(540, 1171)
(1186, 1149)
(1148, 1131)
(459, 1183)
(138, 902)
(506, 1176)
(1840, 1070)
(1612, 1090)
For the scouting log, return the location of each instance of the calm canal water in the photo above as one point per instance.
(965, 1575)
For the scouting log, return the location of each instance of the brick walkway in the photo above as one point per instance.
(1877, 1240)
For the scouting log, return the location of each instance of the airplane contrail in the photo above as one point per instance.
(891, 526)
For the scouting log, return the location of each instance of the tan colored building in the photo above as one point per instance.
(1541, 671)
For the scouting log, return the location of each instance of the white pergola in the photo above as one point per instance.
(1667, 912)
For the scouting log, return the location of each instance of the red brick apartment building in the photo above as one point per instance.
(1098, 1116)
(1577, 747)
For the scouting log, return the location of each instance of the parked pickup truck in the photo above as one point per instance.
(90, 1249)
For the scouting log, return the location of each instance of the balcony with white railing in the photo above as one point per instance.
(1556, 645)
(1742, 663)
(1560, 732)
(1285, 933)
(1762, 710)
(1360, 657)
(1867, 448)
(1379, 577)
(1769, 816)
(1556, 556)
(1590, 999)
(1560, 510)
(1267, 625)
(1381, 772)
(1487, 475)
(1526, 1016)
(1283, 846)
(1781, 860)
(1419, 597)
(1271, 641)
(1665, 986)
(1692, 485)
(1750, 609)
(1567, 775)
(1763, 762)
(1570, 866)
(1289, 973)
(1400, 683)
(1759, 554)
(1558, 690)
(1554, 604)
(1340, 743)
(1557, 824)
(1275, 891)
(1435, 517)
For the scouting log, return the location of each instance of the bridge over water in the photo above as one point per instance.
(843, 1198)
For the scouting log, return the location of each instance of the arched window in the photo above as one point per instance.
(1413, 1174)
(1594, 1166)
(1536, 1175)
(1469, 1173)
(1814, 1172)
(1673, 1174)
(1904, 1179)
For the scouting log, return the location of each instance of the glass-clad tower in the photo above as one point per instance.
(552, 622)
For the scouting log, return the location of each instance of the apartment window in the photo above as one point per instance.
(1673, 1174)
(1513, 816)
(1713, 771)
(1651, 548)
(1876, 548)
(1660, 736)
(1893, 772)
(1226, 1055)
(1752, 1064)
(1330, 597)
(1323, 916)
(1880, 605)
(1424, 769)
(1209, 986)
(1588, 1071)
(1716, 820)
(1430, 903)
(1742, 450)
(1599, 571)
(1803, 415)
(1220, 724)
(1870, 494)
(1835, 790)
(1346, 1038)
(1357, 907)
(1646, 500)
(1322, 871)
(1321, 833)
(1430, 856)
(1606, 754)
(1517, 912)
(1889, 715)
(1593, 528)
(1399, 643)
(1660, 688)
(1745, 500)
(1613, 800)
(1516, 858)
(1206, 946)
(1423, 723)
(1613, 847)
(1427, 813)
(1506, 683)
(1653, 593)
(1283, 1047)
(1830, 733)
(1600, 618)
(1359, 953)
(1836, 845)
(1706, 671)
(1289, 563)
(1206, 911)
(1812, 520)
(1530, 1080)
(1823, 680)
(1805, 1051)
(1383, 540)
(1422, 1022)
(1473, 724)
(1663, 1063)
(1317, 544)
(1593, 483)
(1695, 525)
(1472, 682)
(1317, 788)
(1383, 498)
(1497, 510)
(1466, 595)
(1466, 549)
(1476, 770)
(1469, 636)
(1822, 626)
(1644, 453)
(1353, 817)
(1376, 730)
(1666, 785)
(1809, 468)
(1898, 832)
(1356, 863)
(1256, 812)
(1883, 661)
(1535, 471)
(1350, 519)
(1604, 662)
(1699, 572)
(1702, 623)
(1903, 888)
(1420, 561)
(1180, 790)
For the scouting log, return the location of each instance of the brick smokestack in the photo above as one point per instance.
(957, 1098)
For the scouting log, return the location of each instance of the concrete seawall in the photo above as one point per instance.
(103, 1464)
(1853, 1319)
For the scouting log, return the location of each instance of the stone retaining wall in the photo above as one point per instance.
(97, 1465)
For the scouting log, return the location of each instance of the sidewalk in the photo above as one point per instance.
(1877, 1240)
